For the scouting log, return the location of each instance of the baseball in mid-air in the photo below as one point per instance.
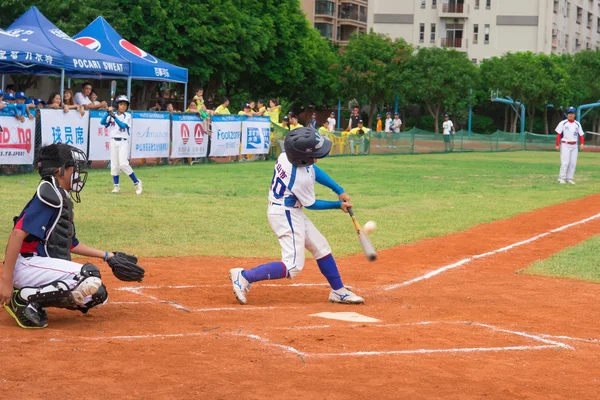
(369, 227)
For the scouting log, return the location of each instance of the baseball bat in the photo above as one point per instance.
(113, 91)
(365, 243)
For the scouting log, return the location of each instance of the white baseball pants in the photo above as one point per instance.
(38, 271)
(119, 157)
(568, 160)
(295, 233)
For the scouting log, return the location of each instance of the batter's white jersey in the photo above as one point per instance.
(292, 188)
(114, 130)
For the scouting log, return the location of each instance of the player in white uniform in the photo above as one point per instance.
(292, 189)
(448, 128)
(118, 128)
(38, 271)
(569, 133)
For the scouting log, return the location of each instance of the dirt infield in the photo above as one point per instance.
(455, 321)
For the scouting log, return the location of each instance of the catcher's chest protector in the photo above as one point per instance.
(58, 244)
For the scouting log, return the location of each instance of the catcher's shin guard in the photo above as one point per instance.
(99, 298)
(27, 315)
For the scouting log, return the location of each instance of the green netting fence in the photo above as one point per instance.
(418, 141)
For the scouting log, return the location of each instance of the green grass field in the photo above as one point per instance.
(220, 209)
(578, 262)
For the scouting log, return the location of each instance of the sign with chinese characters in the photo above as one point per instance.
(150, 135)
(17, 141)
(189, 137)
(99, 137)
(69, 128)
(256, 135)
(226, 133)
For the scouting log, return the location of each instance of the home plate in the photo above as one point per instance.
(345, 316)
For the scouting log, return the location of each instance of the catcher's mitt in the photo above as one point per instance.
(125, 267)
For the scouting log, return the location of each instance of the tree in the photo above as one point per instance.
(370, 68)
(440, 78)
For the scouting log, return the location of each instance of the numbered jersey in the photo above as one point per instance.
(114, 130)
(292, 186)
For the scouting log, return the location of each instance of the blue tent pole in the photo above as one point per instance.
(62, 84)
(339, 121)
(470, 110)
(129, 88)
(69, 83)
(185, 97)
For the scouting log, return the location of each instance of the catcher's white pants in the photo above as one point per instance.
(119, 157)
(568, 160)
(295, 233)
(39, 271)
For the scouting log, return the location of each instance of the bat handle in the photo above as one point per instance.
(350, 211)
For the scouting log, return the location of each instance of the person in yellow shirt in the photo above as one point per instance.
(379, 124)
(222, 109)
(359, 137)
(294, 122)
(324, 130)
(246, 111)
(262, 110)
(274, 110)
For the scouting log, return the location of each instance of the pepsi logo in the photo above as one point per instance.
(185, 133)
(198, 134)
(136, 51)
(89, 42)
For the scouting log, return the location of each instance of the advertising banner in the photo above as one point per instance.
(256, 135)
(189, 138)
(150, 134)
(226, 134)
(69, 128)
(17, 141)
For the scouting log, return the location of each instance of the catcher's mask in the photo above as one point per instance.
(56, 158)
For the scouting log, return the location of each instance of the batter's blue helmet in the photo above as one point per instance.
(571, 110)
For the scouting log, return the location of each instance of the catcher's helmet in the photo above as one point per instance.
(571, 110)
(303, 145)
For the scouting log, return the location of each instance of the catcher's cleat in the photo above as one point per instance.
(138, 187)
(345, 296)
(27, 315)
(240, 284)
(88, 287)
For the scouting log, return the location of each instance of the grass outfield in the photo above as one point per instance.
(220, 209)
(578, 262)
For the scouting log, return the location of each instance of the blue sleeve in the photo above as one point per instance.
(104, 121)
(325, 205)
(10, 109)
(21, 109)
(74, 240)
(325, 180)
(121, 124)
(37, 218)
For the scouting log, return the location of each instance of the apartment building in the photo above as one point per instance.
(487, 28)
(337, 20)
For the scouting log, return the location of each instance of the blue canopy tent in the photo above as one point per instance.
(79, 61)
(102, 37)
(20, 57)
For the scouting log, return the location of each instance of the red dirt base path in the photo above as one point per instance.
(473, 330)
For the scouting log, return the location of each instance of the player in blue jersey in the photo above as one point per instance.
(292, 189)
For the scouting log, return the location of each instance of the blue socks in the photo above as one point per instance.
(133, 178)
(116, 179)
(272, 270)
(330, 271)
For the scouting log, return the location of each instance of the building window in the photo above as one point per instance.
(432, 33)
(555, 6)
(567, 42)
(422, 3)
(598, 25)
(433, 3)
(568, 10)
(488, 4)
(589, 20)
(486, 34)
(474, 61)
(421, 33)
(579, 15)
(325, 29)
(475, 33)
(477, 4)
(323, 7)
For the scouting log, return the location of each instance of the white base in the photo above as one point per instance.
(345, 316)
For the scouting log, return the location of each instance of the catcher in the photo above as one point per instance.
(38, 271)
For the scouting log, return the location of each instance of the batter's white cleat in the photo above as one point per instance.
(138, 187)
(562, 181)
(116, 189)
(88, 287)
(572, 182)
(240, 284)
(345, 296)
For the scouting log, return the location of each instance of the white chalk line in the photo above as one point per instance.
(241, 308)
(432, 351)
(571, 338)
(134, 288)
(489, 253)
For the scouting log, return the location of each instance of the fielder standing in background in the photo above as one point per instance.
(118, 128)
(292, 189)
(448, 128)
(568, 133)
